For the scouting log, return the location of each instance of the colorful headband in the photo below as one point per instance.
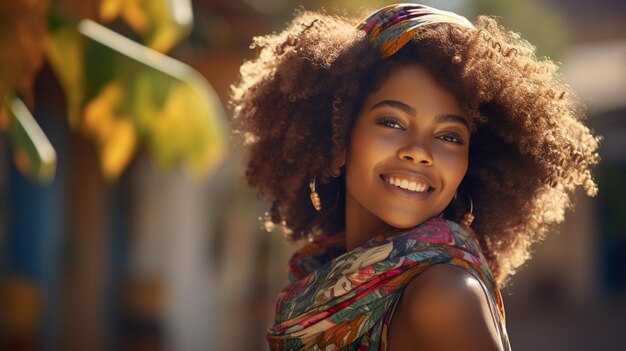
(391, 27)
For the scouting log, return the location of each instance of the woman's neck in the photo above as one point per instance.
(361, 225)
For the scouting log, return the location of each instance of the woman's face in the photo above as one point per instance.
(408, 151)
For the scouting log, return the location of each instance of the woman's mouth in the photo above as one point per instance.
(409, 184)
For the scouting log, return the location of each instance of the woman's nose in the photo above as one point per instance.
(416, 153)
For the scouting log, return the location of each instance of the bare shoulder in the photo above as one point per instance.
(444, 308)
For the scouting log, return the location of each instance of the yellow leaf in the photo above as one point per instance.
(135, 15)
(161, 23)
(189, 125)
(110, 9)
(172, 20)
(209, 147)
(115, 135)
(117, 148)
(99, 115)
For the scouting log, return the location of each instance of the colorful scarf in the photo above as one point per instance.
(345, 300)
(390, 27)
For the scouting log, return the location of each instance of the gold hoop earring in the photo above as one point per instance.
(315, 197)
(468, 219)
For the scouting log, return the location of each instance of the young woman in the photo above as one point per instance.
(421, 155)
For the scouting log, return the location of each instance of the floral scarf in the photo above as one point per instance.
(345, 300)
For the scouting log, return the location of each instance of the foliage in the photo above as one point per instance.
(119, 93)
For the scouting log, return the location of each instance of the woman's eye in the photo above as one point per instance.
(391, 123)
(451, 138)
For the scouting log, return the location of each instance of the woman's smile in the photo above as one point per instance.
(408, 181)
(407, 185)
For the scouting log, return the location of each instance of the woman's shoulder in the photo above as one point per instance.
(444, 308)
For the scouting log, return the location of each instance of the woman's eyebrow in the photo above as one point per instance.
(452, 118)
(412, 111)
(396, 104)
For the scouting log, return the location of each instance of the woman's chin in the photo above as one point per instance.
(409, 221)
(406, 224)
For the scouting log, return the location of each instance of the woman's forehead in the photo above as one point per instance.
(410, 86)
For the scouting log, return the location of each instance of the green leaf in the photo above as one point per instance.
(66, 57)
(161, 23)
(33, 154)
(133, 95)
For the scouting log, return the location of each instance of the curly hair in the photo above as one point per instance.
(297, 101)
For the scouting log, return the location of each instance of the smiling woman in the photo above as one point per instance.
(421, 155)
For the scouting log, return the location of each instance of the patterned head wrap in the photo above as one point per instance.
(391, 27)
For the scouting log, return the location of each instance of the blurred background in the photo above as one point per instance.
(125, 223)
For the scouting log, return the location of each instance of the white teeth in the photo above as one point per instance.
(418, 187)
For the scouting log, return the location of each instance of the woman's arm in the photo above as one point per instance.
(444, 308)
